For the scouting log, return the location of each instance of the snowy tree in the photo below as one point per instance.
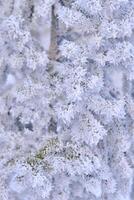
(67, 99)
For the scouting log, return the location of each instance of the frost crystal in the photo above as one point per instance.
(67, 100)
